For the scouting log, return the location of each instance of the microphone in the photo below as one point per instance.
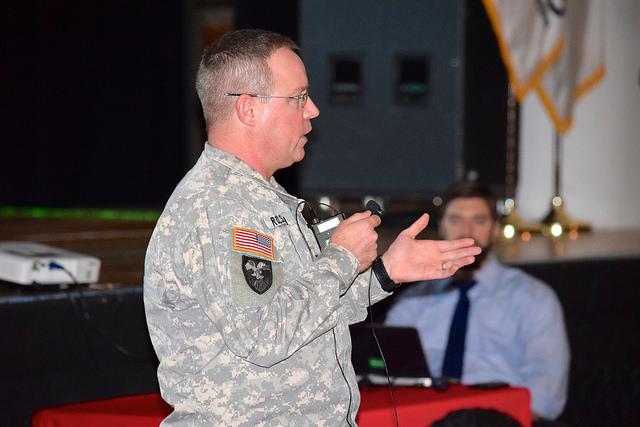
(374, 208)
(323, 229)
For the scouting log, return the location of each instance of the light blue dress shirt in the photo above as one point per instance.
(515, 332)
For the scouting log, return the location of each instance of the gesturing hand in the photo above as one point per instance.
(410, 260)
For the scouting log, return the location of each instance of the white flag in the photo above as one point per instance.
(555, 47)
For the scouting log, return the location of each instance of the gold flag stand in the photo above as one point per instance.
(558, 222)
(512, 224)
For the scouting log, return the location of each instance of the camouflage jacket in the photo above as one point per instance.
(248, 318)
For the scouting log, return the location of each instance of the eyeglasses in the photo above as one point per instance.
(302, 99)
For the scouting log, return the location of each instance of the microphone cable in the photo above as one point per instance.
(375, 210)
(384, 361)
(315, 219)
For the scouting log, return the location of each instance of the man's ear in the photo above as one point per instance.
(245, 109)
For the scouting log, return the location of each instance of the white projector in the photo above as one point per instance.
(28, 263)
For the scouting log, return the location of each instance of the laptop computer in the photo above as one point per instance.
(405, 360)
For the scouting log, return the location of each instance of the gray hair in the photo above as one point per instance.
(236, 63)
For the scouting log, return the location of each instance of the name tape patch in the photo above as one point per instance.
(278, 220)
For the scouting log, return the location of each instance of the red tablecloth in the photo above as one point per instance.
(415, 406)
(145, 410)
(420, 406)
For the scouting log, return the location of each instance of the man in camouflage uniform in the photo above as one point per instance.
(248, 317)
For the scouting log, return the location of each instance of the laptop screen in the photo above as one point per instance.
(401, 349)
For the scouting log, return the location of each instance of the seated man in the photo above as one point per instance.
(513, 322)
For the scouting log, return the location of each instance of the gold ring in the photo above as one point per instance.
(443, 266)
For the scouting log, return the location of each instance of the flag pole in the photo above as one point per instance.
(512, 224)
(557, 160)
(558, 222)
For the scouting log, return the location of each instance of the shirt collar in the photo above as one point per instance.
(489, 275)
(232, 162)
(237, 165)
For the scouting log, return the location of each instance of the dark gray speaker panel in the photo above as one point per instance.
(376, 144)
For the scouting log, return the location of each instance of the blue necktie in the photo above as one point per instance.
(452, 366)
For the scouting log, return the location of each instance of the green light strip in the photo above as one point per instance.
(376, 363)
(43, 212)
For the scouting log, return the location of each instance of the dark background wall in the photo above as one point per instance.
(91, 102)
(95, 98)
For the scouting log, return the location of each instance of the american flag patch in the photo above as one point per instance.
(252, 241)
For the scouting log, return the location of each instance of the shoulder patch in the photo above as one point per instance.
(252, 241)
(257, 273)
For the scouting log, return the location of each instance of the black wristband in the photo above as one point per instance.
(381, 274)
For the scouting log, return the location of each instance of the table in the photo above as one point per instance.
(145, 410)
(422, 406)
(416, 406)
